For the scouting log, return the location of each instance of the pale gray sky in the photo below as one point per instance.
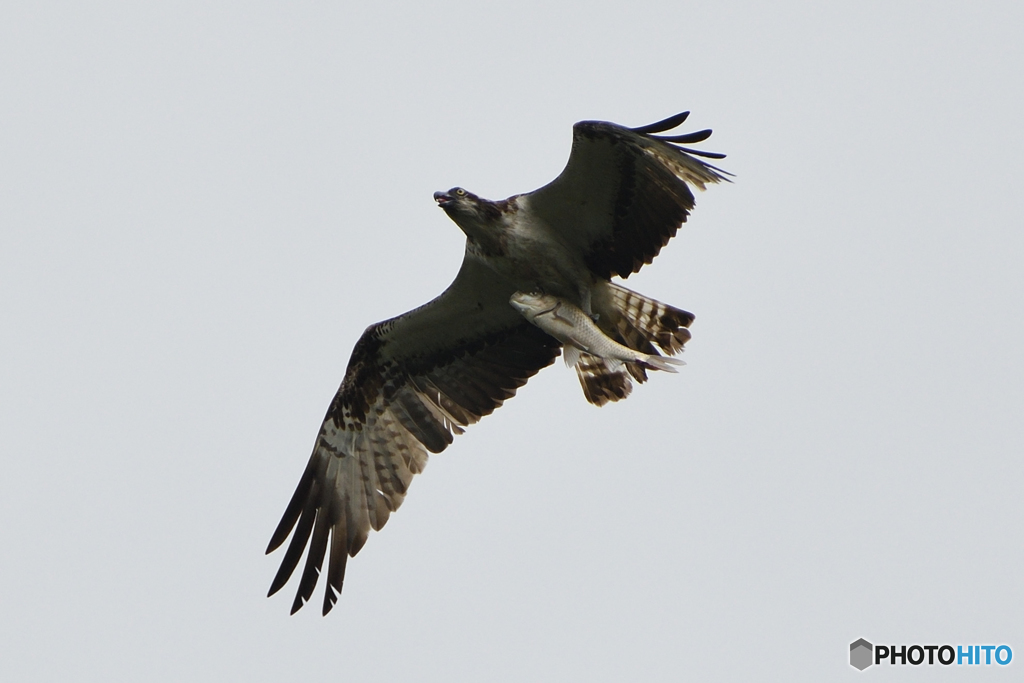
(204, 204)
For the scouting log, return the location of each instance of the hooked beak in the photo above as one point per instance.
(443, 199)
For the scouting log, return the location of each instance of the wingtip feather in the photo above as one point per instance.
(663, 125)
(688, 138)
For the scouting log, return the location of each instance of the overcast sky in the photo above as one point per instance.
(202, 205)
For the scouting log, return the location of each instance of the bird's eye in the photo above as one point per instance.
(460, 192)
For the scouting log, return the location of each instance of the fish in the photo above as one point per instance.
(579, 333)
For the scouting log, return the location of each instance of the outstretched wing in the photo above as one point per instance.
(624, 192)
(411, 383)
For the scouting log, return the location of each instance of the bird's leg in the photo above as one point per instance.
(585, 303)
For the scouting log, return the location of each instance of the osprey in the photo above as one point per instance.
(415, 380)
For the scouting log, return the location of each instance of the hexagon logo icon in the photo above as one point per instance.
(860, 654)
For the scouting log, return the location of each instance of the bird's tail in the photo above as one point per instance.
(642, 324)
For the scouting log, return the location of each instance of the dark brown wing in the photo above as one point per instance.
(411, 383)
(624, 192)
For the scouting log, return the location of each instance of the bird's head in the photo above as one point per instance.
(456, 200)
(477, 217)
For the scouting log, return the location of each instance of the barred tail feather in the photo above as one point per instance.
(640, 322)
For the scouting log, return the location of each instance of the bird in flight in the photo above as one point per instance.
(416, 380)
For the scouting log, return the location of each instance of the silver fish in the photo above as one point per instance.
(578, 332)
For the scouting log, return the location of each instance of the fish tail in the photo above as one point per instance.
(662, 363)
